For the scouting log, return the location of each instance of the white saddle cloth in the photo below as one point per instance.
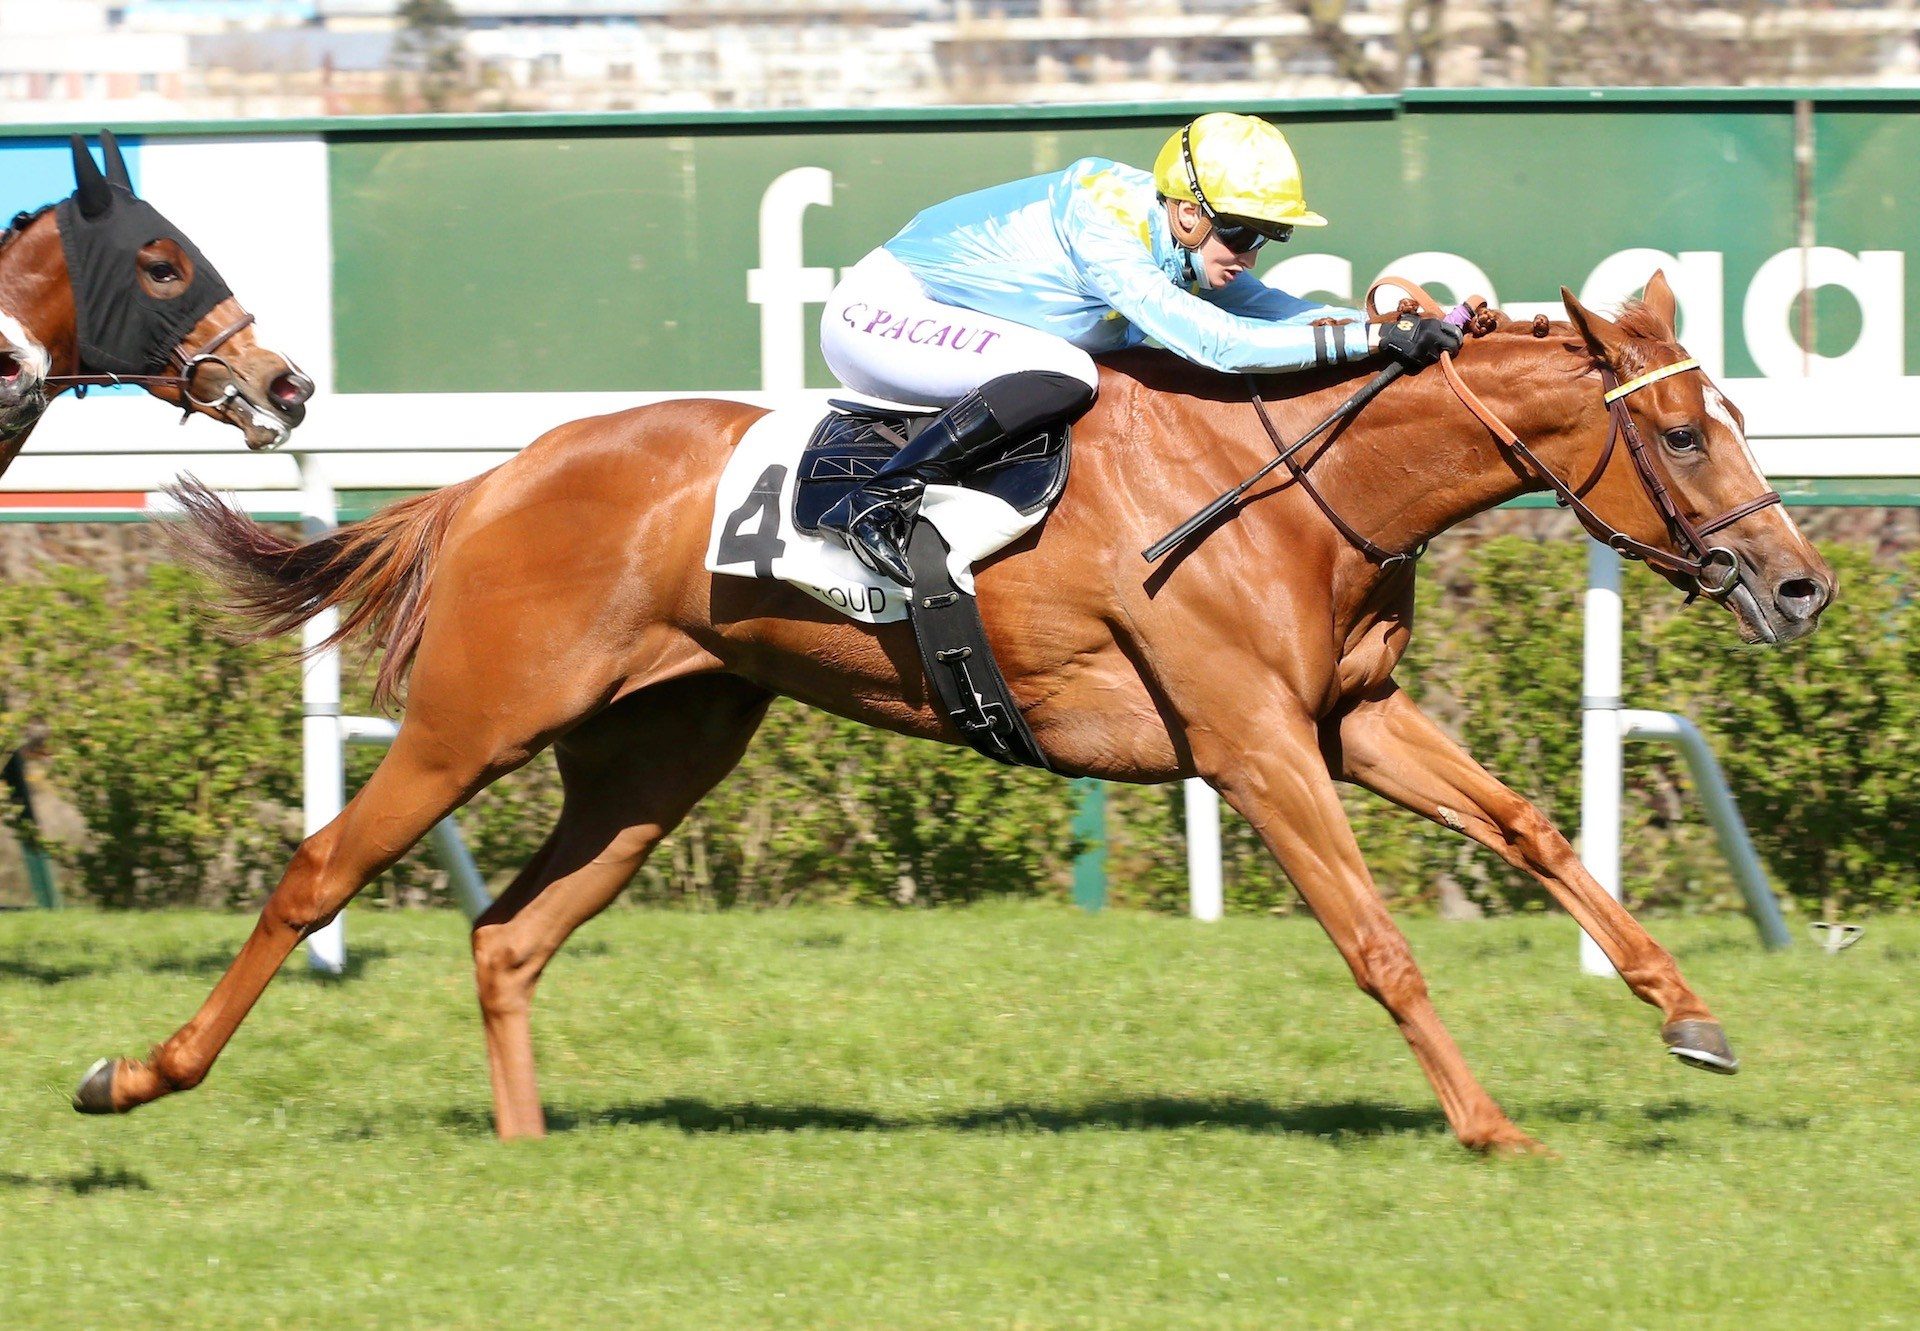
(754, 536)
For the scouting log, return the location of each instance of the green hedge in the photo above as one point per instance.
(179, 752)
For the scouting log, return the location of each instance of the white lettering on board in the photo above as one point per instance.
(1873, 278)
(783, 285)
(1699, 282)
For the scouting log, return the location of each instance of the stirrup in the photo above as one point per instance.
(885, 554)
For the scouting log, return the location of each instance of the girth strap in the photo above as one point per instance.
(966, 680)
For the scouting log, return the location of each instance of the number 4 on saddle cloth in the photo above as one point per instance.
(791, 466)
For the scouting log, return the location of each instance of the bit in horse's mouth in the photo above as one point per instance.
(1755, 627)
(263, 427)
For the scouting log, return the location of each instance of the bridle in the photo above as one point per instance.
(182, 363)
(1697, 558)
(188, 364)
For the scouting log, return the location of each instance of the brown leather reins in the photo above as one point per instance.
(1696, 556)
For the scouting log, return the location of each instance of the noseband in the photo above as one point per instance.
(188, 364)
(1697, 559)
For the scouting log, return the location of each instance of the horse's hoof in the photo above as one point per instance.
(1515, 1145)
(1701, 1044)
(95, 1095)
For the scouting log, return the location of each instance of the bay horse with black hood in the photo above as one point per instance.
(101, 289)
(561, 600)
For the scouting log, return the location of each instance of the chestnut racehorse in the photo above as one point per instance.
(134, 300)
(561, 600)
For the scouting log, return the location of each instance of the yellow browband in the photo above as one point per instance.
(1653, 377)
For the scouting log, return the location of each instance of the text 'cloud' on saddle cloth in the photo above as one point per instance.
(754, 535)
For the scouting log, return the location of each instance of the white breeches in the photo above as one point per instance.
(884, 336)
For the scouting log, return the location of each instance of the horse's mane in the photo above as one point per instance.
(21, 221)
(1636, 319)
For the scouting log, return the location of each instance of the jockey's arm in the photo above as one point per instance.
(1251, 298)
(1211, 334)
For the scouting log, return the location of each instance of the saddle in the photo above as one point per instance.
(852, 443)
(855, 439)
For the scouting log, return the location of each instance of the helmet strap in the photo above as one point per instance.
(1191, 238)
(1188, 237)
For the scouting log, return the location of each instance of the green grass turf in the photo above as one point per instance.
(1001, 1117)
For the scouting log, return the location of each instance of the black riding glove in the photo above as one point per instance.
(1416, 342)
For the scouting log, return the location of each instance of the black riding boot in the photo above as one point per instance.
(877, 518)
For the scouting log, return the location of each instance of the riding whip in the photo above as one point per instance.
(1370, 390)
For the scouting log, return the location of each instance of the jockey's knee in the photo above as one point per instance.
(1033, 398)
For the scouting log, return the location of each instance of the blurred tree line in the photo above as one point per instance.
(1620, 43)
(175, 754)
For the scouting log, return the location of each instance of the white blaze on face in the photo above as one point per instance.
(32, 355)
(1718, 409)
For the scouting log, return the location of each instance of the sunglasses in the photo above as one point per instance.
(1243, 235)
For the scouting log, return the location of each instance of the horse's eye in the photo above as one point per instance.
(163, 272)
(1683, 439)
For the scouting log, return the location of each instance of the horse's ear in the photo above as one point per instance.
(116, 166)
(91, 187)
(1659, 301)
(1598, 333)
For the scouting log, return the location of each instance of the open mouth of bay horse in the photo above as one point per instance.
(259, 392)
(22, 386)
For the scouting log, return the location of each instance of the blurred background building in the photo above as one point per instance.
(130, 59)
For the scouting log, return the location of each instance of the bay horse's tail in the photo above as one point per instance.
(381, 569)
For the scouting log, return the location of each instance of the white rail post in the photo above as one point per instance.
(1204, 888)
(455, 858)
(1600, 738)
(1605, 723)
(323, 771)
(1711, 784)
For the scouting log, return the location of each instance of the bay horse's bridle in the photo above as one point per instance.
(182, 363)
(188, 364)
(1696, 559)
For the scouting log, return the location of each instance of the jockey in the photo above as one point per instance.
(992, 304)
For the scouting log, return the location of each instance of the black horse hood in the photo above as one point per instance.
(103, 227)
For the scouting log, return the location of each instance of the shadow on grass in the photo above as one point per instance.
(45, 972)
(96, 1179)
(209, 964)
(1651, 1129)
(1338, 1120)
(1647, 1127)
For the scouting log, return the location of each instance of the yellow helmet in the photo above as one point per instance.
(1235, 166)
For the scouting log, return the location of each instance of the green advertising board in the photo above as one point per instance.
(692, 252)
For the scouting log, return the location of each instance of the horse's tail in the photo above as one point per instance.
(381, 569)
